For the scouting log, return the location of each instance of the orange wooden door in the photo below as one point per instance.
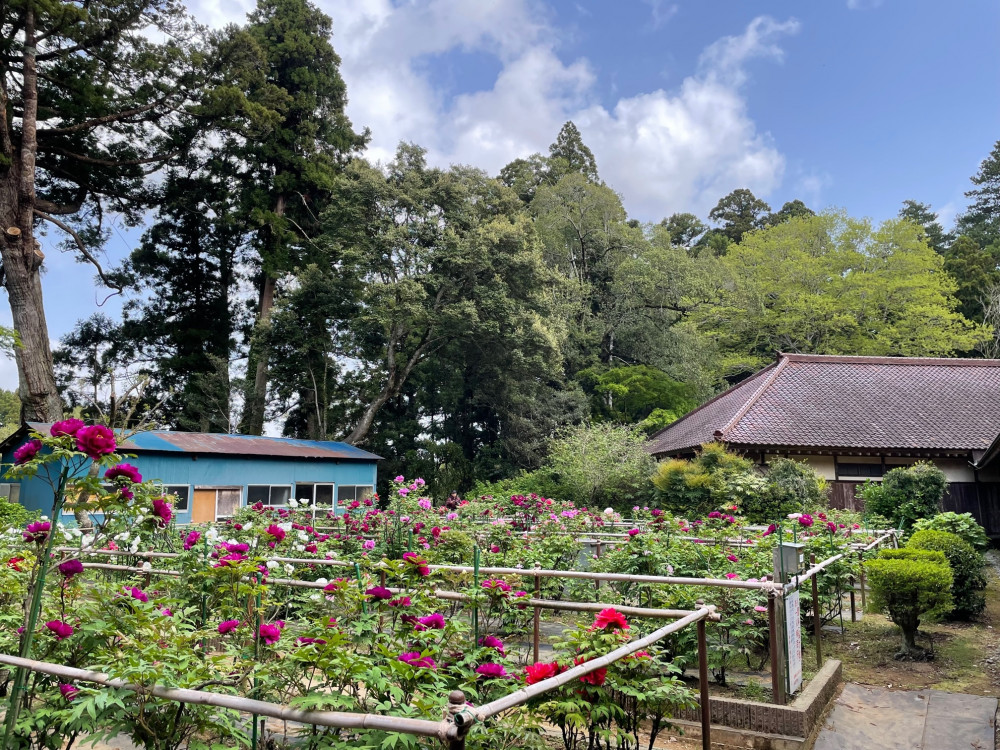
(203, 506)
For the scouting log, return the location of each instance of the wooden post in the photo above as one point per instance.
(854, 611)
(817, 620)
(456, 705)
(706, 702)
(538, 617)
(777, 681)
(861, 574)
(597, 584)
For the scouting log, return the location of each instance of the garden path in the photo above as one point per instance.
(866, 717)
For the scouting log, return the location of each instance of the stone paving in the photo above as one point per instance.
(864, 718)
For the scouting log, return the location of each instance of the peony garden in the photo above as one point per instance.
(500, 622)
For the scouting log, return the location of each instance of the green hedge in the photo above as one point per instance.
(907, 553)
(966, 566)
(962, 524)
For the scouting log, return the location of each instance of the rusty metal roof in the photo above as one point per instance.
(850, 402)
(208, 443)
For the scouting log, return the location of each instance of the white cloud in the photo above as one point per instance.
(660, 12)
(663, 150)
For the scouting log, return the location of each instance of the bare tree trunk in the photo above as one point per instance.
(260, 352)
(20, 253)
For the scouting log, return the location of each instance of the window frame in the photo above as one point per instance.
(164, 489)
(337, 501)
(270, 487)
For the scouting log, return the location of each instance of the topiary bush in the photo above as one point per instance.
(906, 553)
(962, 524)
(966, 565)
(906, 494)
(714, 479)
(908, 590)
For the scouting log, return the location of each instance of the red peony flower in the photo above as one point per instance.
(540, 671)
(595, 678)
(612, 618)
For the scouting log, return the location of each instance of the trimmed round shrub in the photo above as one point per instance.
(792, 487)
(966, 565)
(907, 494)
(908, 590)
(962, 524)
(906, 553)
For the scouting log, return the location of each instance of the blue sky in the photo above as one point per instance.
(857, 104)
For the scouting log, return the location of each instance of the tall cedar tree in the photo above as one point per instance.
(89, 106)
(294, 164)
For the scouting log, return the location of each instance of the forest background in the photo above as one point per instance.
(459, 323)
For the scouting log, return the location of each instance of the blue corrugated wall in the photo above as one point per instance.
(229, 471)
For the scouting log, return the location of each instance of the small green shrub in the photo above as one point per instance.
(908, 590)
(15, 515)
(907, 494)
(962, 524)
(714, 479)
(792, 487)
(966, 565)
(452, 548)
(906, 553)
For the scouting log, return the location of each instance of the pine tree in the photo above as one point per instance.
(570, 154)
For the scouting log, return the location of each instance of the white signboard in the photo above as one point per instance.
(793, 634)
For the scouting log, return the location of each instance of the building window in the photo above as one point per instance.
(275, 495)
(868, 471)
(10, 491)
(67, 509)
(181, 495)
(319, 494)
(347, 493)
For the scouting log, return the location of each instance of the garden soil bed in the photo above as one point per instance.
(966, 655)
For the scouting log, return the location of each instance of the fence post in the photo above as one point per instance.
(538, 617)
(475, 604)
(777, 680)
(861, 577)
(460, 721)
(854, 611)
(817, 620)
(706, 702)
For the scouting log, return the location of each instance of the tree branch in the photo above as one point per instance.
(82, 247)
(93, 123)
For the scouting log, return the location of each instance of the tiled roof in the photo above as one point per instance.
(208, 443)
(850, 402)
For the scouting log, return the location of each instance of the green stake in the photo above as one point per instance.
(361, 588)
(475, 605)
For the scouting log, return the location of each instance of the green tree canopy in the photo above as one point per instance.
(738, 213)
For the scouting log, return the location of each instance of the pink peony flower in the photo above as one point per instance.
(403, 491)
(492, 670)
(125, 471)
(379, 592)
(760, 608)
(191, 539)
(304, 641)
(27, 451)
(806, 520)
(70, 568)
(403, 601)
(634, 532)
(166, 612)
(414, 659)
(137, 594)
(162, 509)
(276, 531)
(59, 629)
(270, 633)
(400, 478)
(95, 440)
(492, 642)
(424, 503)
(732, 558)
(228, 626)
(69, 692)
(36, 532)
(732, 576)
(417, 562)
(66, 427)
(612, 618)
(435, 621)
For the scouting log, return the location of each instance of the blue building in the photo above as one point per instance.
(211, 475)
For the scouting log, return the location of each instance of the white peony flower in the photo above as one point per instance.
(300, 548)
(322, 581)
(794, 516)
(289, 568)
(315, 597)
(287, 526)
(609, 511)
(272, 564)
(247, 526)
(293, 503)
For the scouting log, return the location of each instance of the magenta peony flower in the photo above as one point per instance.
(191, 539)
(126, 471)
(806, 520)
(95, 440)
(60, 629)
(71, 568)
(270, 633)
(489, 669)
(66, 427)
(414, 659)
(68, 691)
(228, 626)
(303, 641)
(137, 594)
(166, 612)
(770, 530)
(732, 558)
(36, 532)
(417, 562)
(162, 509)
(634, 532)
(403, 601)
(27, 451)
(238, 547)
(379, 592)
(276, 531)
(492, 642)
(435, 621)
